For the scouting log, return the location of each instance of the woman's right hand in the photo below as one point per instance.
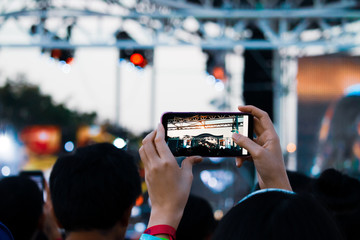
(265, 151)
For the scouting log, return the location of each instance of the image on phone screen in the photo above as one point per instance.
(206, 134)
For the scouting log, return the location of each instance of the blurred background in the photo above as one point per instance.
(73, 73)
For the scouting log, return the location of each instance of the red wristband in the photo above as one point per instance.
(162, 229)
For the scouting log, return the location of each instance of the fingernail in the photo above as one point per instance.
(236, 136)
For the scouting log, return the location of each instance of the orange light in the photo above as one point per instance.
(137, 59)
(69, 60)
(139, 200)
(219, 73)
(291, 147)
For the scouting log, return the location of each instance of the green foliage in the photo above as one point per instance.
(23, 104)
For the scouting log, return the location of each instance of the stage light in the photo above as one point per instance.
(215, 64)
(291, 147)
(217, 180)
(7, 148)
(119, 143)
(138, 60)
(140, 227)
(218, 214)
(5, 171)
(135, 211)
(65, 55)
(69, 146)
(139, 57)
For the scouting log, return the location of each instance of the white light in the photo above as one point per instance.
(310, 35)
(353, 90)
(191, 24)
(216, 159)
(135, 211)
(43, 136)
(217, 180)
(119, 143)
(212, 29)
(213, 182)
(5, 171)
(5, 141)
(7, 148)
(66, 68)
(219, 86)
(315, 170)
(205, 176)
(69, 146)
(94, 130)
(140, 227)
(129, 3)
(210, 79)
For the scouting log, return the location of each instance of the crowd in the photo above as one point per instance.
(92, 191)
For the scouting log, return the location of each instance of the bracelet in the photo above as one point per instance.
(149, 237)
(162, 229)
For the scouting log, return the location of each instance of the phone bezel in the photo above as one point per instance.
(170, 115)
(32, 174)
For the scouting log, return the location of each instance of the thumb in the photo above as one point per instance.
(245, 142)
(188, 162)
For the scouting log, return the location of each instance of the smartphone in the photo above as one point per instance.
(38, 177)
(208, 134)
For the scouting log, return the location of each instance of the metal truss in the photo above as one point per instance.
(207, 126)
(198, 118)
(210, 24)
(203, 122)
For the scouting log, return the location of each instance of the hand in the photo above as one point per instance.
(168, 184)
(49, 223)
(265, 151)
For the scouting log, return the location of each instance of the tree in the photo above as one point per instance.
(22, 104)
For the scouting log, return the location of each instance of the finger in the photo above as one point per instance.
(260, 140)
(245, 142)
(143, 157)
(264, 118)
(258, 128)
(239, 162)
(161, 146)
(149, 137)
(188, 162)
(149, 147)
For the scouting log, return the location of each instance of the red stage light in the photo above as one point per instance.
(219, 73)
(69, 60)
(56, 53)
(137, 59)
(41, 140)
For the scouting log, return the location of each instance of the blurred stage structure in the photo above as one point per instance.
(290, 29)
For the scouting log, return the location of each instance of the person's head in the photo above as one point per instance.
(277, 215)
(340, 194)
(21, 204)
(94, 188)
(339, 140)
(198, 220)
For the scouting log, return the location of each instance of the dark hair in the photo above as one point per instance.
(340, 194)
(21, 203)
(92, 188)
(198, 220)
(277, 215)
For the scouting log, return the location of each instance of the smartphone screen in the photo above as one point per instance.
(207, 134)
